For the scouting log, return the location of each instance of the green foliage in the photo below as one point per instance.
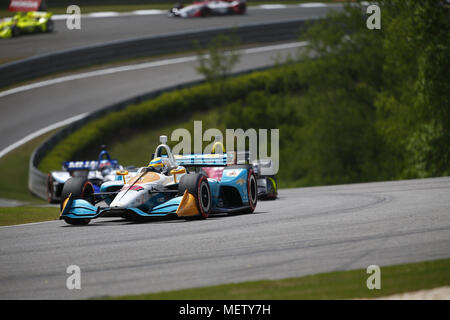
(371, 105)
(414, 106)
(168, 108)
(218, 60)
(376, 105)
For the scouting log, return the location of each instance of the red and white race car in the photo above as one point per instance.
(209, 8)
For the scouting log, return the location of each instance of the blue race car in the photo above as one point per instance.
(96, 171)
(166, 188)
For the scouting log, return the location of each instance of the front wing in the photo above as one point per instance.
(181, 206)
(82, 209)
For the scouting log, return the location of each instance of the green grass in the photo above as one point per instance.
(27, 214)
(333, 285)
(14, 172)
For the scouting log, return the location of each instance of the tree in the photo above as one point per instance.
(413, 105)
(217, 62)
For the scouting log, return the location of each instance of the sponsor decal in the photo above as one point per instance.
(73, 165)
(213, 155)
(24, 5)
(240, 181)
(135, 188)
(232, 173)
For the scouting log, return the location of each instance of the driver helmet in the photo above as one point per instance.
(158, 164)
(105, 167)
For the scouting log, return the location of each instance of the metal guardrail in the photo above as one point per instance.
(61, 61)
(254, 33)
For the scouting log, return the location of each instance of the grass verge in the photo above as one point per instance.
(334, 285)
(14, 171)
(27, 214)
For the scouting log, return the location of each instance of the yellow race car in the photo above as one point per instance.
(26, 22)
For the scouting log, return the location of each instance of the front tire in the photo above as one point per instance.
(197, 185)
(80, 188)
(50, 26)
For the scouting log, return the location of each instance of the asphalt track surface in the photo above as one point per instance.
(306, 231)
(99, 30)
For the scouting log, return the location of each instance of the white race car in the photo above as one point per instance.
(165, 188)
(209, 8)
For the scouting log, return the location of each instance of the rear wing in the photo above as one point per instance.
(84, 165)
(202, 159)
(212, 159)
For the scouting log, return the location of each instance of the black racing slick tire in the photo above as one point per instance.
(205, 11)
(15, 31)
(50, 189)
(272, 193)
(197, 185)
(50, 26)
(242, 8)
(252, 189)
(271, 188)
(80, 188)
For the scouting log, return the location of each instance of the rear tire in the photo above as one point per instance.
(205, 12)
(50, 189)
(272, 194)
(50, 26)
(271, 185)
(252, 190)
(15, 31)
(197, 185)
(80, 188)
(242, 8)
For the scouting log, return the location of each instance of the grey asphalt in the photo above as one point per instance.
(306, 231)
(98, 30)
(26, 112)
